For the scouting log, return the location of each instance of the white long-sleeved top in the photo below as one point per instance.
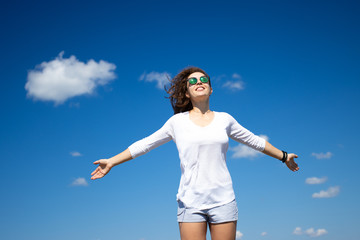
(205, 180)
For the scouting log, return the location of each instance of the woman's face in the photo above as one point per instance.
(198, 89)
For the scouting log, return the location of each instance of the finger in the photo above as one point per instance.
(292, 166)
(295, 167)
(97, 162)
(99, 174)
(96, 176)
(97, 169)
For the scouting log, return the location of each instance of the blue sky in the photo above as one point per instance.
(288, 70)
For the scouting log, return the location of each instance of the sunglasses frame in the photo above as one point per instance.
(203, 79)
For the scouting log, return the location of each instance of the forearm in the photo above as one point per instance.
(120, 158)
(272, 151)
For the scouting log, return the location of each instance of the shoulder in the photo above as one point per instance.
(178, 117)
(224, 116)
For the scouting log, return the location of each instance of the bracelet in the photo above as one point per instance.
(284, 158)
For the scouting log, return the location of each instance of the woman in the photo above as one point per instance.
(205, 195)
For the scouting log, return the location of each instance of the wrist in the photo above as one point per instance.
(111, 162)
(284, 157)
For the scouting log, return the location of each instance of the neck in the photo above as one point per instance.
(201, 107)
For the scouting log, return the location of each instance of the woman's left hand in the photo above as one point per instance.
(290, 163)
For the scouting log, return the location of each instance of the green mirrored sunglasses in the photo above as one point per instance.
(193, 80)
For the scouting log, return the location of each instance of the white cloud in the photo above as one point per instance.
(315, 180)
(232, 85)
(79, 182)
(243, 151)
(310, 232)
(236, 76)
(331, 192)
(160, 78)
(75, 154)
(64, 78)
(235, 83)
(263, 234)
(297, 231)
(322, 155)
(239, 235)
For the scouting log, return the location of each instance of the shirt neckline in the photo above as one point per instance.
(212, 121)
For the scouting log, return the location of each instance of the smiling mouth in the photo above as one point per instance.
(200, 88)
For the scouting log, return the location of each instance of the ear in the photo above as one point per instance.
(211, 90)
(187, 94)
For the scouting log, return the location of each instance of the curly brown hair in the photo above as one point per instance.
(178, 87)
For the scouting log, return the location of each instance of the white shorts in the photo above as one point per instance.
(224, 213)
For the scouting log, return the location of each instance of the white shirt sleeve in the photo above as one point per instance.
(242, 135)
(161, 136)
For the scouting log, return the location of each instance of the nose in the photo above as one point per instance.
(199, 82)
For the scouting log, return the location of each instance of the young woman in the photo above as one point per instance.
(205, 195)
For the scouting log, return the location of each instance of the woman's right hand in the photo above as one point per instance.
(104, 167)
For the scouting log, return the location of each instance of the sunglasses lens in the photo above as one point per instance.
(204, 79)
(192, 81)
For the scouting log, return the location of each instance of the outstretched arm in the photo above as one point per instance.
(136, 149)
(276, 153)
(105, 165)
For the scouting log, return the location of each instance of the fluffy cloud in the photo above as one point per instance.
(235, 83)
(263, 234)
(322, 155)
(243, 151)
(64, 78)
(331, 192)
(75, 154)
(315, 180)
(79, 182)
(310, 232)
(239, 235)
(161, 79)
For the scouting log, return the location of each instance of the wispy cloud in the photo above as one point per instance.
(74, 105)
(243, 151)
(239, 235)
(297, 231)
(235, 83)
(64, 78)
(232, 85)
(310, 232)
(322, 155)
(329, 193)
(79, 182)
(75, 154)
(263, 234)
(161, 79)
(315, 180)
